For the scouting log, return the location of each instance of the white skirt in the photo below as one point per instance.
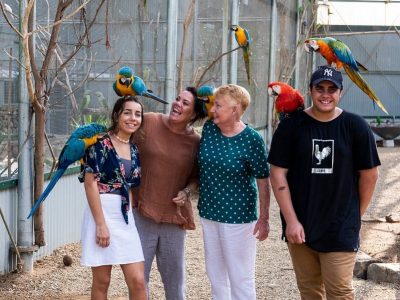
(124, 248)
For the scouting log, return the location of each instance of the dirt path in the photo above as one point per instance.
(274, 274)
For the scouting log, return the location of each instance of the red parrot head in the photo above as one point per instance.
(288, 99)
(277, 87)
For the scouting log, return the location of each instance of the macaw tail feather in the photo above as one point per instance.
(361, 67)
(246, 57)
(47, 191)
(363, 85)
(150, 95)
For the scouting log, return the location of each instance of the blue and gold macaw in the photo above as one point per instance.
(127, 84)
(244, 40)
(338, 55)
(73, 150)
(206, 94)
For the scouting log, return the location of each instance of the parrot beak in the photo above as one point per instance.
(233, 27)
(271, 92)
(125, 81)
(311, 45)
(128, 82)
(274, 90)
(308, 47)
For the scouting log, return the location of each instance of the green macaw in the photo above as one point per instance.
(338, 55)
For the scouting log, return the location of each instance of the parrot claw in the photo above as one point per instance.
(334, 65)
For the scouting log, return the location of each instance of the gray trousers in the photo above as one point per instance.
(167, 243)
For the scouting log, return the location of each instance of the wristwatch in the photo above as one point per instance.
(187, 191)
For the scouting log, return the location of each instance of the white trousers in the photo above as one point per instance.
(230, 257)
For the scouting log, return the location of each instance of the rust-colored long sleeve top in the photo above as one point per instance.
(168, 161)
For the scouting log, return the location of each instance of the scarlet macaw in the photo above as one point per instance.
(127, 84)
(338, 55)
(288, 100)
(244, 40)
(73, 150)
(206, 94)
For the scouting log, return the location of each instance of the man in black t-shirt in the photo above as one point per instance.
(323, 173)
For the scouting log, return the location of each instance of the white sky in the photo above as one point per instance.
(357, 13)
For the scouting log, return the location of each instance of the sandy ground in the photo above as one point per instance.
(274, 274)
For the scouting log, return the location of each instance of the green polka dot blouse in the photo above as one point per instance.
(229, 167)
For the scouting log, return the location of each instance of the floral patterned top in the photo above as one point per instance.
(102, 160)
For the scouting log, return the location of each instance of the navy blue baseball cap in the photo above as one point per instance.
(327, 73)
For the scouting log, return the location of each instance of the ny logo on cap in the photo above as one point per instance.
(328, 72)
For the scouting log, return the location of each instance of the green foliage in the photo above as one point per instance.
(300, 10)
(87, 114)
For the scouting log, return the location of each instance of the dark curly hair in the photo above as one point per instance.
(199, 106)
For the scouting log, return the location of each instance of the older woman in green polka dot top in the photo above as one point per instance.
(234, 195)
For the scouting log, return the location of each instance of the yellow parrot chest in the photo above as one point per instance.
(241, 38)
(90, 141)
(124, 90)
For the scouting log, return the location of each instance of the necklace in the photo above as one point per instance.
(121, 140)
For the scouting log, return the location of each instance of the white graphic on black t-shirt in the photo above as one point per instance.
(322, 156)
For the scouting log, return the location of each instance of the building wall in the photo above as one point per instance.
(63, 211)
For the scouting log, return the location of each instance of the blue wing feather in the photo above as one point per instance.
(248, 37)
(138, 85)
(343, 52)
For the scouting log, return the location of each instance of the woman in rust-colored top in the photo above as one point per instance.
(168, 153)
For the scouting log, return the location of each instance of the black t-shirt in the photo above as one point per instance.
(323, 159)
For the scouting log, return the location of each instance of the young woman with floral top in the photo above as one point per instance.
(109, 234)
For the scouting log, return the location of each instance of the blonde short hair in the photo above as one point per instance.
(235, 94)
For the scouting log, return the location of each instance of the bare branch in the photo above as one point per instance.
(8, 21)
(67, 84)
(34, 67)
(212, 64)
(186, 24)
(53, 38)
(13, 57)
(79, 85)
(62, 6)
(51, 151)
(108, 44)
(82, 38)
(25, 49)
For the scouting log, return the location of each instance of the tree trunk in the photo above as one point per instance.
(39, 168)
